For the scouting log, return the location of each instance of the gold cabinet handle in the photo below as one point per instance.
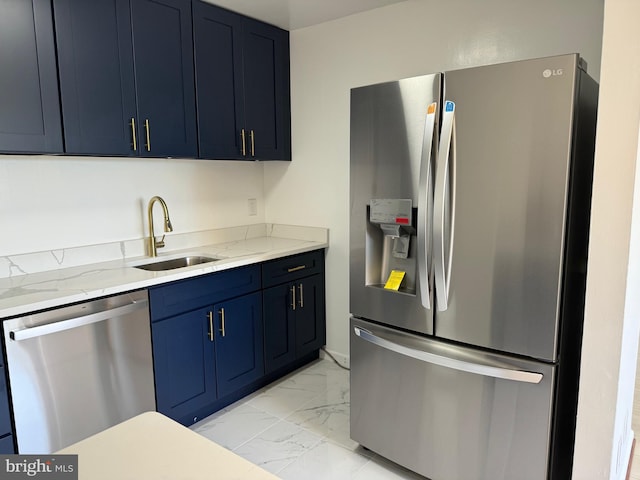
(253, 145)
(244, 148)
(210, 333)
(146, 127)
(295, 269)
(293, 297)
(221, 312)
(133, 134)
(301, 299)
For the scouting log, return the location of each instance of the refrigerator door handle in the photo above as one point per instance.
(444, 206)
(448, 362)
(425, 208)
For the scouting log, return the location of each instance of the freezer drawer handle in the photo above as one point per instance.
(76, 322)
(470, 367)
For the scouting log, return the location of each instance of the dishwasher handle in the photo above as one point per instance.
(60, 326)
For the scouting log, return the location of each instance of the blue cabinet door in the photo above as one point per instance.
(220, 94)
(5, 415)
(163, 56)
(6, 445)
(242, 77)
(29, 101)
(294, 320)
(97, 86)
(184, 363)
(239, 342)
(266, 90)
(279, 333)
(310, 314)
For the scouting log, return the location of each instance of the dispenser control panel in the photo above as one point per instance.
(394, 211)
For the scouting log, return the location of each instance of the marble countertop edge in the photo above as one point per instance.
(28, 293)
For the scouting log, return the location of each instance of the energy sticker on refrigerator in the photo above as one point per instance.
(395, 280)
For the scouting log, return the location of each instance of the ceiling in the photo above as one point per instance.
(294, 14)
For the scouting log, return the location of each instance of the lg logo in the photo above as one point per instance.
(552, 73)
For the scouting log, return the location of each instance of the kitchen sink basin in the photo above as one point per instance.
(173, 263)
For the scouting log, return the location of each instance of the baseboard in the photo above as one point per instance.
(338, 357)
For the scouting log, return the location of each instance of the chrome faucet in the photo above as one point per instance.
(153, 243)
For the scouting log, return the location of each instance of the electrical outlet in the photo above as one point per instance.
(253, 206)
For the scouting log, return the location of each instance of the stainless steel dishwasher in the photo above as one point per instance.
(77, 370)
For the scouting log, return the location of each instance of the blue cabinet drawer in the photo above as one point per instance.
(292, 268)
(183, 296)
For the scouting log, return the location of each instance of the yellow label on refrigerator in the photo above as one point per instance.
(394, 280)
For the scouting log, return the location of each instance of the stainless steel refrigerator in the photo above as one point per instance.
(469, 220)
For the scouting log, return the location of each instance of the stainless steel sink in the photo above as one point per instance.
(173, 263)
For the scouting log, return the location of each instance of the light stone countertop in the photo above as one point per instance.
(151, 446)
(71, 277)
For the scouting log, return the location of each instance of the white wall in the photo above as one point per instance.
(55, 202)
(612, 315)
(409, 38)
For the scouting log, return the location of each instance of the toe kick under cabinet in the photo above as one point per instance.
(218, 337)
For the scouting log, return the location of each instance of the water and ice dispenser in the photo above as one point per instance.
(391, 245)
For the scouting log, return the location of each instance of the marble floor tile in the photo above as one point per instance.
(325, 461)
(278, 446)
(298, 428)
(379, 468)
(342, 436)
(282, 399)
(325, 413)
(237, 426)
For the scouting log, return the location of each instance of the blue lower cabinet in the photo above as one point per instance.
(208, 343)
(5, 416)
(239, 343)
(219, 337)
(184, 364)
(310, 323)
(279, 333)
(6, 439)
(6, 445)
(294, 319)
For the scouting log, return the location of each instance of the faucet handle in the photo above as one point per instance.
(159, 243)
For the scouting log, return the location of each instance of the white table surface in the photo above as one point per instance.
(151, 446)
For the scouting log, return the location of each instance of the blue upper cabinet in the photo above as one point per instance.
(126, 77)
(163, 55)
(29, 102)
(218, 52)
(242, 83)
(97, 83)
(266, 91)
